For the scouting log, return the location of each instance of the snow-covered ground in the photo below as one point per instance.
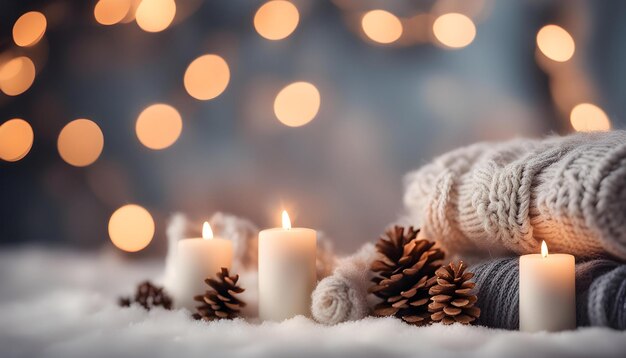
(62, 304)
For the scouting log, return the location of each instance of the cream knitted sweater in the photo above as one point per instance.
(490, 199)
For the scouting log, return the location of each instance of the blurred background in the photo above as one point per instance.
(251, 107)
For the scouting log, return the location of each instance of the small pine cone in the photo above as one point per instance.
(220, 302)
(404, 275)
(452, 298)
(148, 296)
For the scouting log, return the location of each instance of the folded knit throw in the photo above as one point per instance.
(600, 293)
(493, 199)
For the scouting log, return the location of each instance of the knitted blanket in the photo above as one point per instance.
(494, 199)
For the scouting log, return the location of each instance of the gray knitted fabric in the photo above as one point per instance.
(600, 293)
(607, 299)
(586, 273)
(494, 199)
(497, 287)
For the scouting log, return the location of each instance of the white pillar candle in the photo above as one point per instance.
(287, 273)
(547, 292)
(196, 260)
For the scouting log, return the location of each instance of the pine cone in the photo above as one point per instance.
(148, 296)
(220, 302)
(452, 299)
(404, 275)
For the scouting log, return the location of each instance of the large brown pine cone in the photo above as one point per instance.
(452, 298)
(404, 274)
(221, 301)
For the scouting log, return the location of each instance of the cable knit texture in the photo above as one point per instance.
(494, 199)
(600, 293)
(343, 296)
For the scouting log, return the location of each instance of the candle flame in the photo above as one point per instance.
(286, 221)
(207, 233)
(544, 249)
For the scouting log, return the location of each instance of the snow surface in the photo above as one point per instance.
(63, 304)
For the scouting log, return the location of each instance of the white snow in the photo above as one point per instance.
(63, 304)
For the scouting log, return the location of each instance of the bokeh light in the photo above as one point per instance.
(381, 26)
(16, 139)
(275, 20)
(297, 104)
(17, 75)
(29, 28)
(131, 228)
(155, 15)
(587, 117)
(454, 30)
(555, 43)
(159, 126)
(206, 77)
(111, 12)
(80, 142)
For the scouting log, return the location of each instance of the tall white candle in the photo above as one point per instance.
(287, 273)
(196, 260)
(547, 292)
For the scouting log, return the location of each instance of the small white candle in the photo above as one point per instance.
(196, 260)
(547, 292)
(287, 273)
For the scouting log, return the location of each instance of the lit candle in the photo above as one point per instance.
(287, 273)
(547, 292)
(197, 259)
